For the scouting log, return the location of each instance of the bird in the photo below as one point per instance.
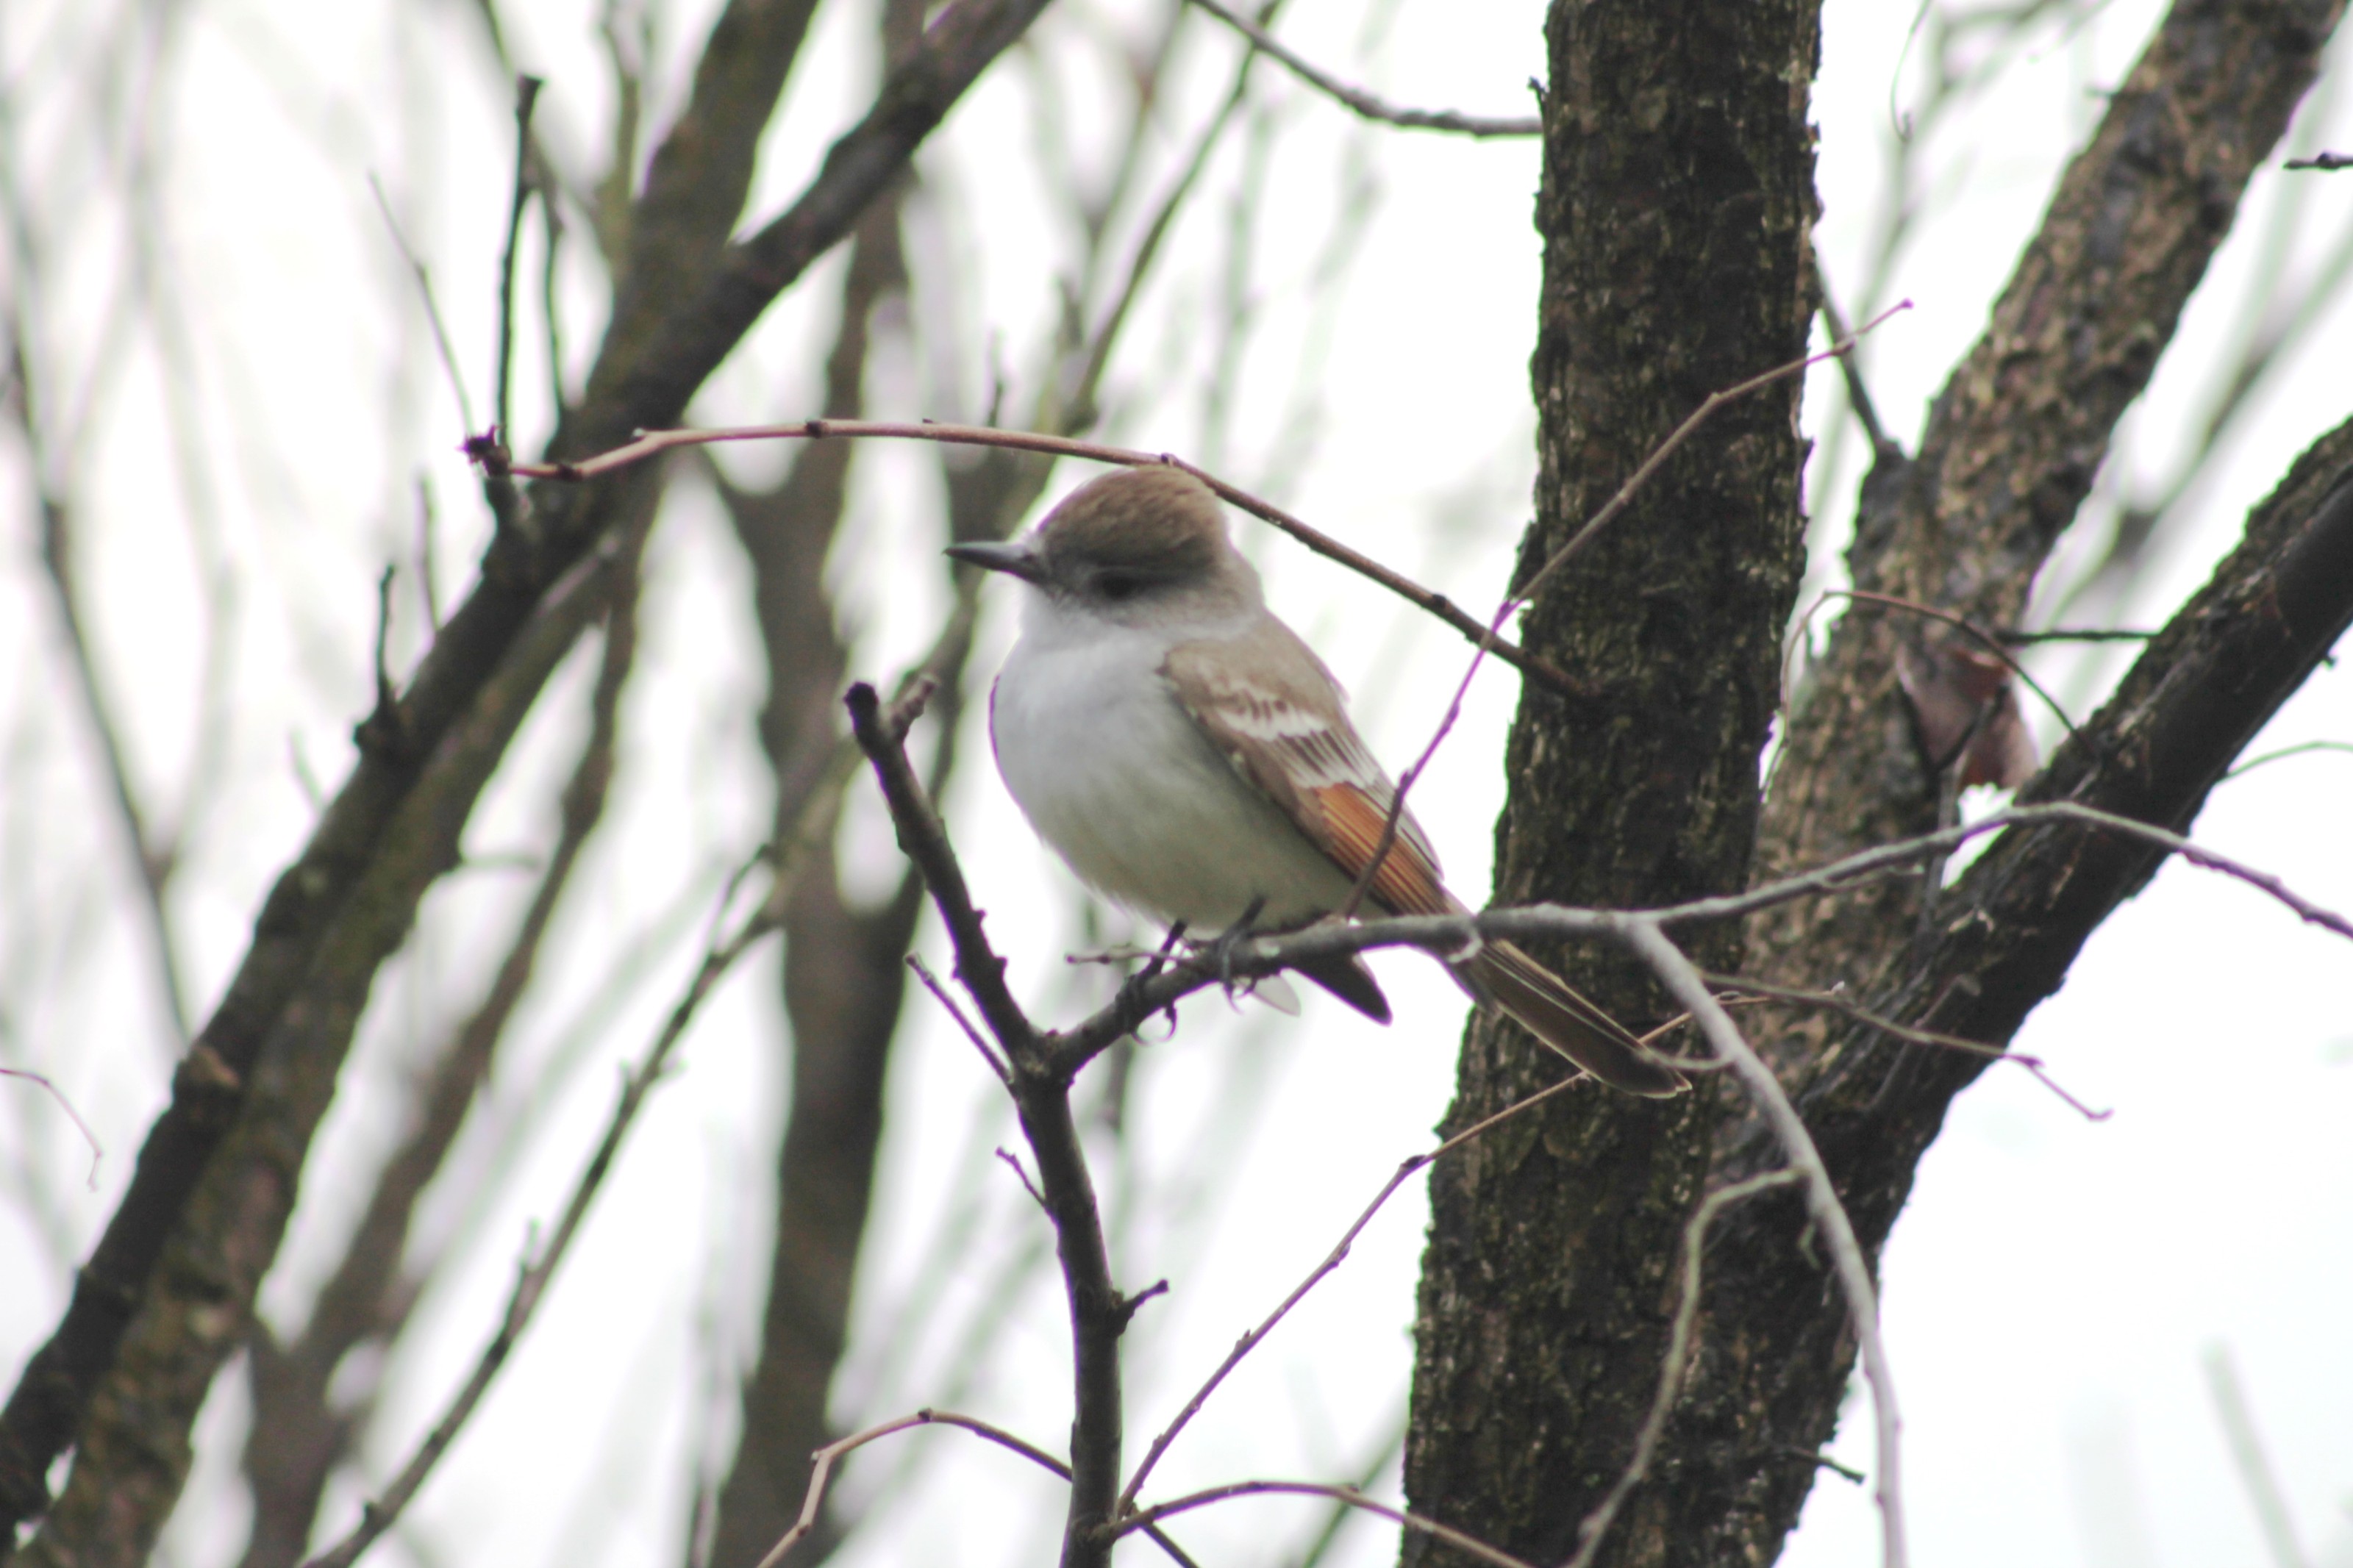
(1190, 757)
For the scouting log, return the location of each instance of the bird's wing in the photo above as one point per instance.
(1274, 712)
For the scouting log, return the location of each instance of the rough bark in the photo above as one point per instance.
(2014, 440)
(2007, 456)
(2009, 453)
(1776, 1349)
(1677, 197)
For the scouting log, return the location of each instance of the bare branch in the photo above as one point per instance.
(1349, 1495)
(979, 1043)
(96, 1152)
(1596, 1525)
(1830, 1215)
(1847, 1008)
(432, 306)
(2247, 1453)
(1365, 103)
(1042, 1099)
(297, 1439)
(526, 95)
(1332, 1261)
(651, 366)
(821, 1475)
(649, 444)
(1445, 933)
(532, 1283)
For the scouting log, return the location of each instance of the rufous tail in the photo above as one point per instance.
(1567, 1023)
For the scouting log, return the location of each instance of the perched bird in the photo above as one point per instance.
(1189, 756)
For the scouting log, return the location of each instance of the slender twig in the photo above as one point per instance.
(979, 1042)
(2015, 637)
(1349, 1495)
(1042, 1099)
(427, 570)
(2253, 1466)
(152, 855)
(2321, 161)
(1365, 103)
(1021, 1174)
(1684, 432)
(2253, 762)
(432, 306)
(1988, 640)
(533, 1280)
(822, 1462)
(1761, 990)
(552, 323)
(1106, 336)
(1682, 981)
(1596, 1524)
(96, 1152)
(1512, 601)
(1337, 1518)
(1443, 933)
(1332, 1261)
(1858, 393)
(653, 442)
(526, 95)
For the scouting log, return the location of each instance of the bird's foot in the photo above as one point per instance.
(1130, 999)
(1220, 953)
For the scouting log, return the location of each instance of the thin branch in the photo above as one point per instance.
(1349, 1495)
(526, 95)
(2253, 762)
(1363, 103)
(1596, 1524)
(2015, 637)
(1081, 406)
(2321, 161)
(653, 442)
(1443, 933)
(822, 1461)
(96, 1152)
(1684, 432)
(1988, 640)
(1682, 981)
(1842, 350)
(1761, 990)
(1858, 395)
(152, 855)
(432, 306)
(979, 1042)
(643, 376)
(530, 1285)
(2253, 1466)
(1332, 1261)
(1042, 1099)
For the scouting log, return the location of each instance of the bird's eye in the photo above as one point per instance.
(1117, 586)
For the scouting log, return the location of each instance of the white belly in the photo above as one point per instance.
(1114, 774)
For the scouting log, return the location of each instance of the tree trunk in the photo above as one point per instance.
(1677, 200)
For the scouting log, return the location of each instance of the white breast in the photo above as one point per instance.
(1114, 774)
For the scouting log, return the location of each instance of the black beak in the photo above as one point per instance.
(1015, 560)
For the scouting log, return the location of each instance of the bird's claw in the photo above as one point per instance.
(1220, 953)
(1130, 997)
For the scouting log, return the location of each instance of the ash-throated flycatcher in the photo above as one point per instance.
(1190, 758)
